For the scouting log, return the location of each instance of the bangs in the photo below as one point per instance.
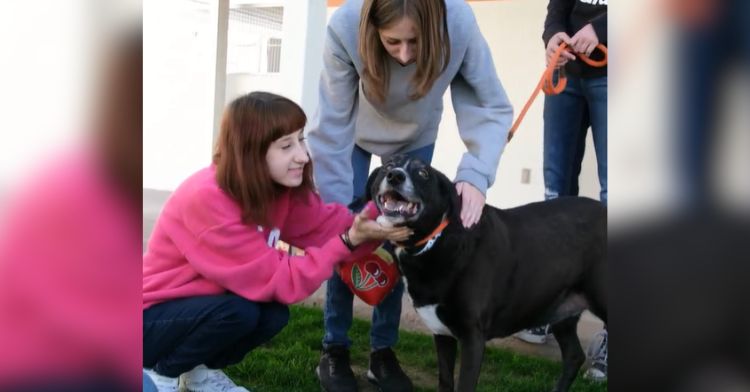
(284, 117)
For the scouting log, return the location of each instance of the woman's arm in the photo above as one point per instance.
(331, 136)
(483, 112)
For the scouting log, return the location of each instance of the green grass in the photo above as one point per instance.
(288, 362)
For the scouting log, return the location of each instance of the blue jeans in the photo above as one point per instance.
(386, 316)
(216, 331)
(567, 117)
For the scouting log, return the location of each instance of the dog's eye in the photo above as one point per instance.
(424, 173)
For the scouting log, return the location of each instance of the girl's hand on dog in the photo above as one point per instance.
(365, 229)
(472, 203)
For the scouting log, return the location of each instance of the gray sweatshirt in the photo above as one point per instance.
(345, 116)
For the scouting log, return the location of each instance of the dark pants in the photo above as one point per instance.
(567, 118)
(216, 331)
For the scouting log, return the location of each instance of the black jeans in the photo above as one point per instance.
(216, 331)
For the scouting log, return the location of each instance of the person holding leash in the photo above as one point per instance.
(387, 65)
(582, 25)
(214, 285)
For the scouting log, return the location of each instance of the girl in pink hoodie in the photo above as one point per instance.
(214, 284)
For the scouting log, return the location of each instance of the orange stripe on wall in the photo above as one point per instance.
(336, 3)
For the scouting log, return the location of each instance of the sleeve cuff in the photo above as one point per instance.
(472, 177)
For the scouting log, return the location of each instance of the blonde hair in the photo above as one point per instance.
(433, 43)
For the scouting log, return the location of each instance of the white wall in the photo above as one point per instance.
(178, 91)
(301, 51)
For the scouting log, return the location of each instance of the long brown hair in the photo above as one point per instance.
(248, 127)
(433, 43)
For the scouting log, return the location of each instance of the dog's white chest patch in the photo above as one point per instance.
(429, 316)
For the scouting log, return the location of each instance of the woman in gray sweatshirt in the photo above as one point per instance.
(387, 65)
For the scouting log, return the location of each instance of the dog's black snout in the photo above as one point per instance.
(395, 177)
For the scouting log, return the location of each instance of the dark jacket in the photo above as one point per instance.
(570, 16)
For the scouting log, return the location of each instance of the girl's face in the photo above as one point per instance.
(400, 40)
(286, 159)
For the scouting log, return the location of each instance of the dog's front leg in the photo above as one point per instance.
(446, 355)
(472, 352)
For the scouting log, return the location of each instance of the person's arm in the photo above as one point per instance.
(600, 27)
(331, 135)
(483, 112)
(558, 12)
(209, 231)
(323, 221)
(237, 257)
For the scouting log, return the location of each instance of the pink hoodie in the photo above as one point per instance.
(70, 307)
(200, 246)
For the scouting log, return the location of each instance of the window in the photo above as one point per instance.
(254, 39)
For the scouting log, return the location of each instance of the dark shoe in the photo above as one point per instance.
(386, 373)
(334, 370)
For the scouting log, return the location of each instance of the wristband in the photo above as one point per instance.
(346, 240)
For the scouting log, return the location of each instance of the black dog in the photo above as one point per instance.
(542, 263)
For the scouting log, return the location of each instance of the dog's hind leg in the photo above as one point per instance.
(446, 355)
(572, 353)
(472, 352)
(595, 291)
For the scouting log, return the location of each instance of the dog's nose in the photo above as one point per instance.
(395, 177)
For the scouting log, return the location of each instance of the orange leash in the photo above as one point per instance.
(546, 83)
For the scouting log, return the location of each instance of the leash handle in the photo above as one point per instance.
(546, 83)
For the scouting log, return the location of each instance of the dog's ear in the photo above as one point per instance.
(447, 187)
(370, 181)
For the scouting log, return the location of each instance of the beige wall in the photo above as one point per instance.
(513, 31)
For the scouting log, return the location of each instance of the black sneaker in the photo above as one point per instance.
(386, 373)
(334, 370)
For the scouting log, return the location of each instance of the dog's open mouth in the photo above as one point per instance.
(393, 204)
